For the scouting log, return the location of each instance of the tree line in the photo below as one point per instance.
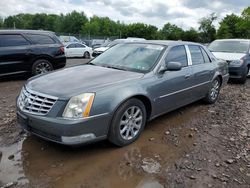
(77, 23)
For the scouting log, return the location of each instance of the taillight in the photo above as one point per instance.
(62, 49)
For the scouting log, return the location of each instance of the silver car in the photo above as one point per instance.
(114, 95)
(237, 54)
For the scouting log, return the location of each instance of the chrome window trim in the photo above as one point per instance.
(190, 62)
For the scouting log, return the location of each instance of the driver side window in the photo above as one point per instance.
(177, 54)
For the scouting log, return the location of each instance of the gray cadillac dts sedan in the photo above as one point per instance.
(114, 95)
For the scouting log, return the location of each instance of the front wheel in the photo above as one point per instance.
(128, 123)
(213, 92)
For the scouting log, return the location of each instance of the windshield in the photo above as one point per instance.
(132, 57)
(229, 46)
(113, 43)
(105, 44)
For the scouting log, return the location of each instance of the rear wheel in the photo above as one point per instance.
(128, 123)
(41, 66)
(86, 55)
(213, 92)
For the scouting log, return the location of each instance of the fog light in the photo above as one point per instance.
(78, 139)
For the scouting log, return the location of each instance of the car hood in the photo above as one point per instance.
(228, 56)
(79, 79)
(101, 49)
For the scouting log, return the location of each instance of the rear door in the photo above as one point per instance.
(14, 54)
(202, 70)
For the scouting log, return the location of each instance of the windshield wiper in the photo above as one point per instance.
(114, 67)
(90, 63)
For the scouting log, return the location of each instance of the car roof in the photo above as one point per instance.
(242, 40)
(166, 42)
(18, 31)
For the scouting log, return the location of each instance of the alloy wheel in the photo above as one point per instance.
(131, 122)
(43, 67)
(215, 89)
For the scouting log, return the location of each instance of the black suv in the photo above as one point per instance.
(30, 51)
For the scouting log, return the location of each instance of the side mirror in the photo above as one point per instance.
(173, 66)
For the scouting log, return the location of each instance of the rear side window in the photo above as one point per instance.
(79, 45)
(71, 46)
(177, 54)
(41, 39)
(206, 58)
(196, 55)
(12, 40)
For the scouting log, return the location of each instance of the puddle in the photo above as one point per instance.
(11, 165)
(44, 164)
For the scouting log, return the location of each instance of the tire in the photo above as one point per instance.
(86, 55)
(129, 118)
(213, 92)
(248, 72)
(41, 66)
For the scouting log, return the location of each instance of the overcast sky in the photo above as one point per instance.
(184, 13)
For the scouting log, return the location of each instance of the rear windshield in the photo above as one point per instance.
(229, 46)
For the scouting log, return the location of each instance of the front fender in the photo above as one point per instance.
(107, 101)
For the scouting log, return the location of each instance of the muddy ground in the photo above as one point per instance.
(196, 146)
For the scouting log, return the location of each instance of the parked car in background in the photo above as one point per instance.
(95, 43)
(77, 50)
(236, 53)
(107, 45)
(31, 51)
(116, 93)
(67, 39)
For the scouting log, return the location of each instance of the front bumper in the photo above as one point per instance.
(65, 131)
(96, 53)
(237, 71)
(225, 79)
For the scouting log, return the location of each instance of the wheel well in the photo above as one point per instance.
(42, 57)
(146, 102)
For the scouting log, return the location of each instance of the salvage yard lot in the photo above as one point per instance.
(195, 146)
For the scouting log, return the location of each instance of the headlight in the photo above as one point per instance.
(79, 106)
(236, 62)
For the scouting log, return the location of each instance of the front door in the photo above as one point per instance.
(173, 87)
(14, 53)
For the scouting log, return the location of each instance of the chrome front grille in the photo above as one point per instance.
(35, 103)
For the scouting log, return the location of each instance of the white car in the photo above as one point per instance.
(105, 46)
(77, 50)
